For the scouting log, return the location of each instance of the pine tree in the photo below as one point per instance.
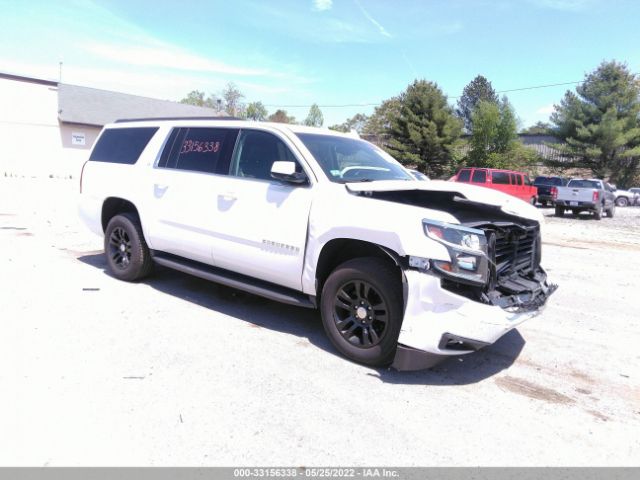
(479, 89)
(314, 118)
(424, 132)
(600, 123)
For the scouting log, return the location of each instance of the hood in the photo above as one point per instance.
(507, 203)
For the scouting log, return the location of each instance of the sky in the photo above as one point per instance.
(345, 55)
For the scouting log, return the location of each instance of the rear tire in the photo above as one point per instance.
(128, 256)
(362, 310)
(612, 211)
(597, 213)
(559, 211)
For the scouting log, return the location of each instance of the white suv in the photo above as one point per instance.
(404, 272)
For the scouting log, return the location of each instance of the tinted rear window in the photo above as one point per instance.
(583, 184)
(501, 178)
(122, 145)
(199, 149)
(464, 175)
(548, 181)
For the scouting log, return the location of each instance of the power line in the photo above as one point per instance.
(535, 87)
(459, 96)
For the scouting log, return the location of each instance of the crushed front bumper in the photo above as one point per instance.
(439, 323)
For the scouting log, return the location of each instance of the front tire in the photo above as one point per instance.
(622, 201)
(128, 256)
(362, 310)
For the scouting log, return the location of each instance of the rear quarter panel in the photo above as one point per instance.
(102, 180)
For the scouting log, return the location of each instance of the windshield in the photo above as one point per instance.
(583, 184)
(352, 160)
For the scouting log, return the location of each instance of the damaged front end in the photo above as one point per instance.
(515, 280)
(492, 282)
(495, 253)
(486, 281)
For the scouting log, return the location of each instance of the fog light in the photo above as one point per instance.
(467, 262)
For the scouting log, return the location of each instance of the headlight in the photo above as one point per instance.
(467, 249)
(457, 236)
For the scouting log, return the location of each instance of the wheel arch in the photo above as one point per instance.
(113, 206)
(339, 250)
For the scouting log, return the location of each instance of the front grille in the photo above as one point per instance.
(516, 281)
(516, 250)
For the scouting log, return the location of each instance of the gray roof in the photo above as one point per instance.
(90, 106)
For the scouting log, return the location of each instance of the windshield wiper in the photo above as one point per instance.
(361, 180)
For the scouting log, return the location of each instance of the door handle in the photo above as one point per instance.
(159, 189)
(229, 196)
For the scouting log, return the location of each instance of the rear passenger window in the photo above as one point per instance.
(464, 175)
(479, 176)
(206, 150)
(501, 178)
(122, 145)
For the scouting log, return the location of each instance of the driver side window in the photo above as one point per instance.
(255, 153)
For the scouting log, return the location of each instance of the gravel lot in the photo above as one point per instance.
(179, 371)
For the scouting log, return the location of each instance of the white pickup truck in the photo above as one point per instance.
(585, 195)
(404, 272)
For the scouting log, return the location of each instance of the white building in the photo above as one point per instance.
(47, 128)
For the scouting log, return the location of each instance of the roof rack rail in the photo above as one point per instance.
(151, 119)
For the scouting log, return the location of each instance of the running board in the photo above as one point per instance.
(234, 280)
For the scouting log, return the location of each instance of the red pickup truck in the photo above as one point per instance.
(514, 183)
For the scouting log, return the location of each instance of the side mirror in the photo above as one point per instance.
(286, 172)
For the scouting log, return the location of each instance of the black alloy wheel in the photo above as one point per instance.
(360, 314)
(120, 248)
(128, 256)
(362, 308)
